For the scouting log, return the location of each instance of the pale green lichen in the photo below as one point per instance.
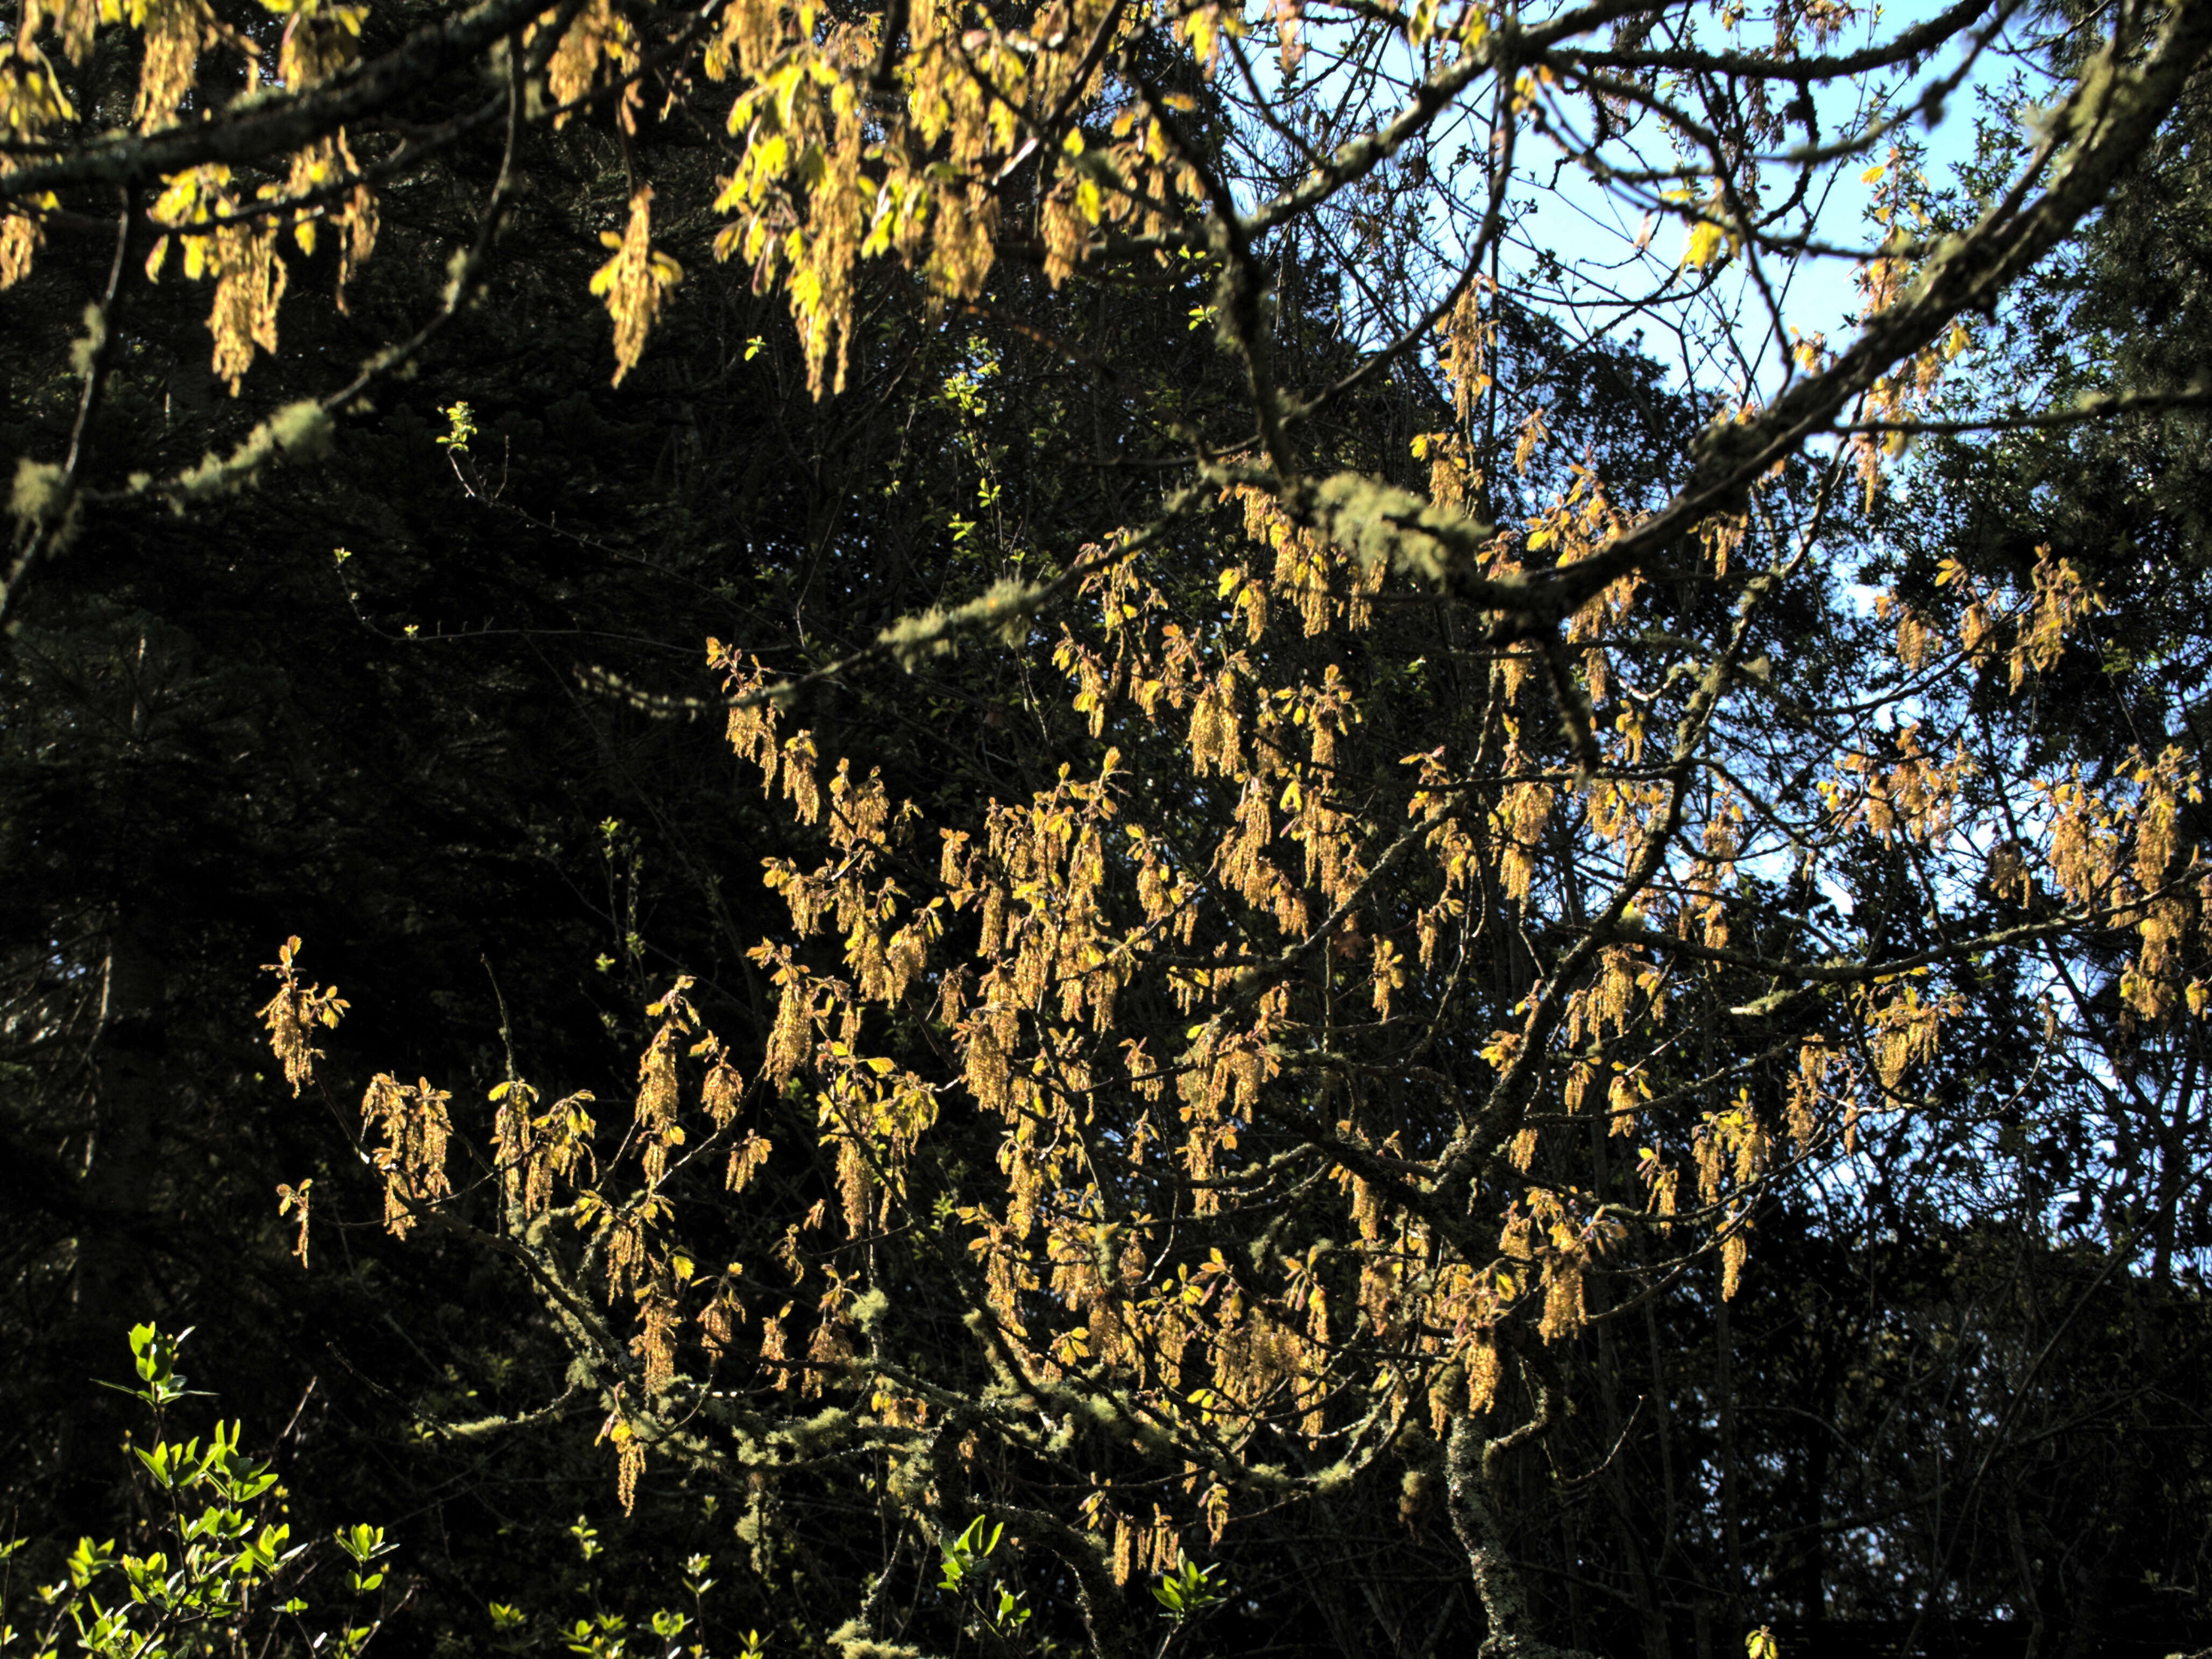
(1005, 610)
(40, 491)
(852, 1640)
(85, 351)
(869, 1308)
(298, 431)
(1381, 525)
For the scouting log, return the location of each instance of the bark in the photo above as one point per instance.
(1472, 1462)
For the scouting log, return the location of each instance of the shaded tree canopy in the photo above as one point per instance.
(1116, 827)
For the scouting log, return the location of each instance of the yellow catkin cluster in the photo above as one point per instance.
(636, 282)
(229, 235)
(1302, 917)
(1046, 910)
(293, 1014)
(414, 1128)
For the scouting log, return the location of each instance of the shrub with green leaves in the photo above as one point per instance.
(209, 1568)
